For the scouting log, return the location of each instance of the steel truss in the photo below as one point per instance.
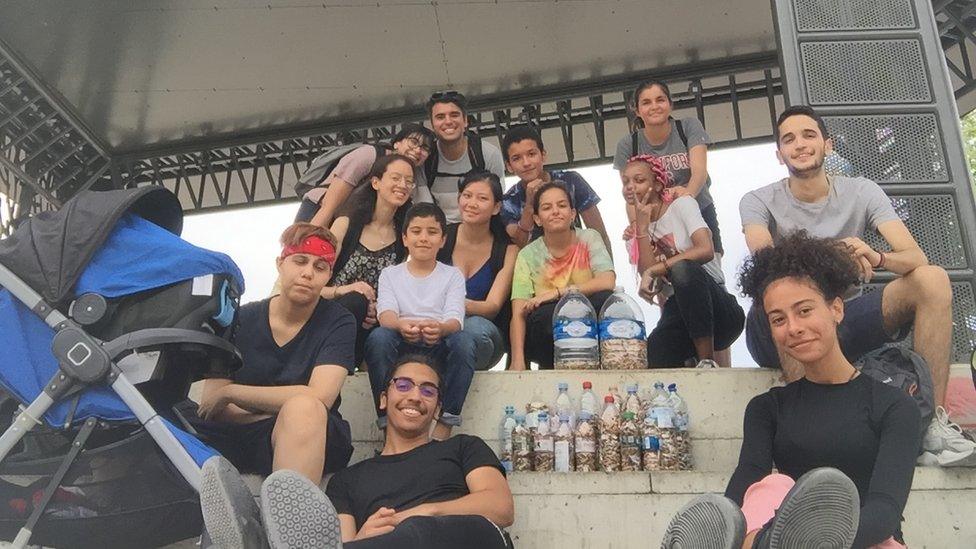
(956, 21)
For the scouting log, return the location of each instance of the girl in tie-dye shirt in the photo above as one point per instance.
(564, 257)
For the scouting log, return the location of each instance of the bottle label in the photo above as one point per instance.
(543, 445)
(652, 443)
(562, 455)
(585, 446)
(664, 418)
(629, 440)
(573, 329)
(621, 328)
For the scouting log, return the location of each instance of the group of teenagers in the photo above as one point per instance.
(413, 263)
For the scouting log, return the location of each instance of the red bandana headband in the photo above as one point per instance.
(313, 245)
(656, 168)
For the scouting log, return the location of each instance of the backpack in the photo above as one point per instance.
(677, 125)
(320, 169)
(476, 156)
(903, 369)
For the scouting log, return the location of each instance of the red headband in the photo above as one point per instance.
(313, 245)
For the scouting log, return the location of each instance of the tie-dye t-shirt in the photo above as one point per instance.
(537, 271)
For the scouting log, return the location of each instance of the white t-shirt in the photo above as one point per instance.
(444, 188)
(671, 234)
(437, 296)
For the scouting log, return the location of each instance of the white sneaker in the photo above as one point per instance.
(944, 444)
(706, 363)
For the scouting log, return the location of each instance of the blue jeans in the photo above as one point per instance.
(455, 354)
(488, 340)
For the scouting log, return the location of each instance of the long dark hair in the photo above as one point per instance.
(359, 209)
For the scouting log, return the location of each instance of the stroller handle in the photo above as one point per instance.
(155, 337)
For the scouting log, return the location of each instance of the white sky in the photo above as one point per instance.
(250, 236)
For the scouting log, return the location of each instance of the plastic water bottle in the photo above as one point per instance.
(651, 442)
(623, 343)
(522, 445)
(588, 401)
(505, 436)
(585, 443)
(574, 333)
(682, 439)
(563, 446)
(630, 443)
(543, 451)
(610, 436)
(617, 399)
(536, 404)
(632, 402)
(563, 406)
(658, 393)
(669, 456)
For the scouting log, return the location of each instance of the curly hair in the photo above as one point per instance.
(827, 263)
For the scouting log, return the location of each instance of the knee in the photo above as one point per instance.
(931, 284)
(382, 336)
(461, 342)
(303, 412)
(683, 273)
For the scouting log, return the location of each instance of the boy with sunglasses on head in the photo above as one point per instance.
(420, 308)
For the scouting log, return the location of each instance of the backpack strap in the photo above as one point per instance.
(476, 152)
(430, 166)
(633, 143)
(497, 258)
(446, 253)
(681, 133)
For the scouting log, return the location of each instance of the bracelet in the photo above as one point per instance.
(881, 261)
(643, 235)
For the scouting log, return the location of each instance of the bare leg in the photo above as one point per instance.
(723, 358)
(299, 435)
(923, 298)
(704, 347)
(749, 540)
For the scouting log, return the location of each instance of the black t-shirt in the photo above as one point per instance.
(868, 430)
(328, 337)
(430, 473)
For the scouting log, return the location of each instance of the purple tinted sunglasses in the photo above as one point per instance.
(405, 385)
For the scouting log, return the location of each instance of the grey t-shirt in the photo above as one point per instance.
(353, 169)
(673, 154)
(444, 188)
(852, 205)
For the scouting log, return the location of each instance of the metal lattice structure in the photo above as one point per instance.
(895, 120)
(956, 20)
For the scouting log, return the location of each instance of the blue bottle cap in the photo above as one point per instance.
(562, 386)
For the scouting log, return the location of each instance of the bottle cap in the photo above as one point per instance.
(510, 409)
(587, 385)
(658, 384)
(631, 388)
(673, 387)
(628, 416)
(519, 418)
(543, 415)
(608, 398)
(585, 416)
(562, 386)
(563, 418)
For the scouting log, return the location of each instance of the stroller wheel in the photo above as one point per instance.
(231, 516)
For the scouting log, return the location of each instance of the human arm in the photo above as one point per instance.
(701, 251)
(452, 317)
(212, 407)
(339, 229)
(500, 291)
(489, 496)
(335, 196)
(348, 172)
(905, 255)
(757, 237)
(325, 383)
(697, 162)
(891, 479)
(593, 220)
(756, 219)
(516, 335)
(756, 455)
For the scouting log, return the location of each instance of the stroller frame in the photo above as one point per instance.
(86, 361)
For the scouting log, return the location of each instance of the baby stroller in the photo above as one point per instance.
(106, 317)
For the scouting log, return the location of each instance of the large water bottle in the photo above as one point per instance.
(574, 333)
(505, 437)
(623, 344)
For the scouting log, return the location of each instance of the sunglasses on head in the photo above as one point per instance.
(405, 385)
(447, 94)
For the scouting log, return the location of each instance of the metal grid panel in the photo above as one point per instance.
(933, 221)
(858, 72)
(895, 148)
(833, 15)
(963, 321)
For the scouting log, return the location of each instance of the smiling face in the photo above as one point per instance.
(802, 147)
(410, 411)
(526, 160)
(423, 238)
(653, 106)
(396, 184)
(477, 203)
(302, 277)
(803, 323)
(638, 180)
(555, 212)
(415, 147)
(448, 122)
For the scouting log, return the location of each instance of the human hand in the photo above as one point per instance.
(430, 331)
(677, 192)
(361, 287)
(422, 510)
(370, 319)
(650, 286)
(379, 523)
(630, 231)
(865, 256)
(539, 299)
(410, 330)
(532, 187)
(213, 403)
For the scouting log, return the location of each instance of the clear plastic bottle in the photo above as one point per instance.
(610, 436)
(563, 446)
(563, 405)
(632, 402)
(535, 405)
(574, 332)
(670, 455)
(542, 457)
(630, 443)
(623, 343)
(588, 401)
(650, 443)
(585, 443)
(522, 445)
(681, 424)
(505, 437)
(615, 393)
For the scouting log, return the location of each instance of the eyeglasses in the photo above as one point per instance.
(405, 385)
(398, 179)
(418, 144)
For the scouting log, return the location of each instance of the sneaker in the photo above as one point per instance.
(945, 445)
(231, 516)
(821, 510)
(297, 513)
(706, 363)
(709, 521)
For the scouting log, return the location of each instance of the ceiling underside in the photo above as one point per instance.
(145, 74)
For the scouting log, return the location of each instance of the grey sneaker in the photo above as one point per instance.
(706, 363)
(297, 514)
(709, 521)
(945, 445)
(821, 510)
(231, 516)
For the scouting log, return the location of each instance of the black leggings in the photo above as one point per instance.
(700, 307)
(357, 304)
(448, 532)
(538, 331)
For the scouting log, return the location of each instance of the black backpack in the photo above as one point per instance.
(476, 156)
(903, 369)
(677, 125)
(320, 169)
